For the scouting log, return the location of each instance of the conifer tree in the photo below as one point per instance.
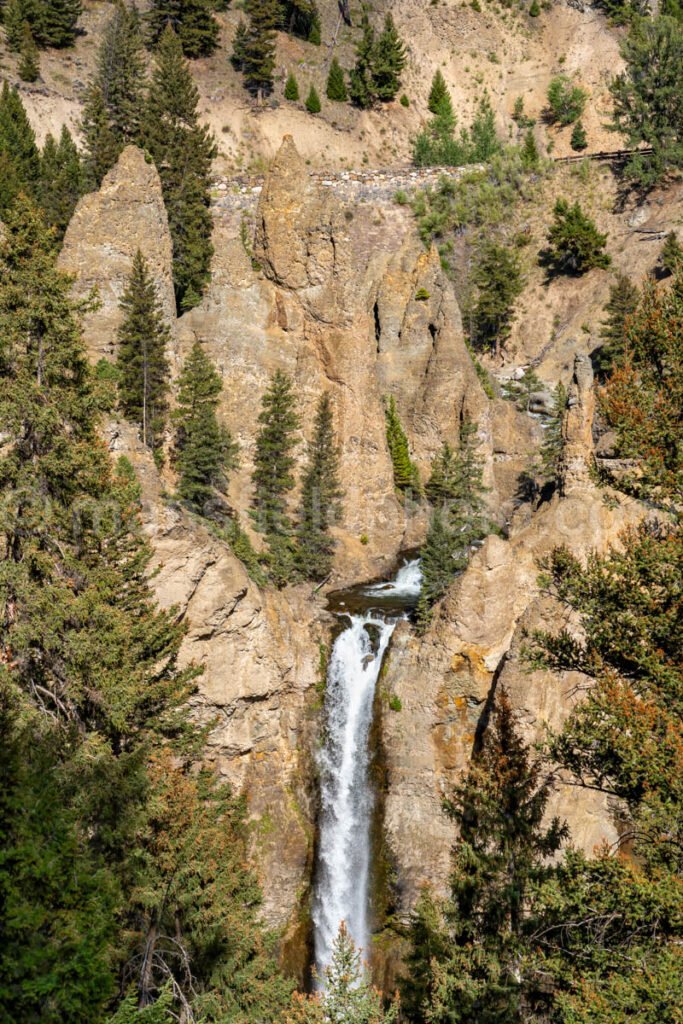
(484, 141)
(113, 109)
(62, 180)
(444, 480)
(671, 257)
(19, 155)
(623, 299)
(205, 451)
(477, 969)
(191, 20)
(459, 521)
(578, 140)
(102, 148)
(336, 83)
(498, 278)
(29, 65)
(57, 22)
(575, 245)
(272, 475)
(530, 155)
(439, 97)
(14, 19)
(406, 477)
(388, 61)
(553, 445)
(321, 495)
(259, 55)
(182, 149)
(347, 997)
(302, 18)
(361, 86)
(239, 46)
(291, 88)
(523, 388)
(313, 101)
(143, 367)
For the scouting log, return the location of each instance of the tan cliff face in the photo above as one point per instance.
(345, 298)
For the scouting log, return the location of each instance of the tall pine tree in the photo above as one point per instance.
(475, 970)
(204, 449)
(258, 63)
(388, 61)
(62, 180)
(406, 476)
(19, 155)
(192, 20)
(143, 367)
(113, 109)
(623, 299)
(272, 475)
(183, 150)
(321, 495)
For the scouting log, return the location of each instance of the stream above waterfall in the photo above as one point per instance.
(344, 869)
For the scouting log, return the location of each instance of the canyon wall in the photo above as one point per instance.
(343, 296)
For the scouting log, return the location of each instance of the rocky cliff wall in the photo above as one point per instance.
(345, 298)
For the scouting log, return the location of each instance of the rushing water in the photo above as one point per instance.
(343, 871)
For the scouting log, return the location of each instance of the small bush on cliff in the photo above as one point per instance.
(566, 101)
(552, 447)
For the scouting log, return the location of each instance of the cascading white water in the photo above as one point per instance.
(341, 892)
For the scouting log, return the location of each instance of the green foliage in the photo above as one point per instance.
(643, 398)
(439, 97)
(575, 245)
(114, 103)
(437, 145)
(534, 9)
(204, 450)
(380, 61)
(671, 257)
(242, 548)
(239, 46)
(256, 48)
(406, 476)
(623, 299)
(143, 367)
(321, 496)
(272, 475)
(466, 963)
(51, 22)
(552, 447)
(522, 389)
(19, 156)
(624, 739)
(579, 141)
(648, 105)
(301, 18)
(459, 520)
(529, 154)
(292, 88)
(192, 20)
(62, 180)
(347, 996)
(336, 83)
(182, 150)
(313, 101)
(499, 281)
(29, 65)
(566, 101)
(116, 861)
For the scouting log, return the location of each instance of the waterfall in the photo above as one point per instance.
(343, 871)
